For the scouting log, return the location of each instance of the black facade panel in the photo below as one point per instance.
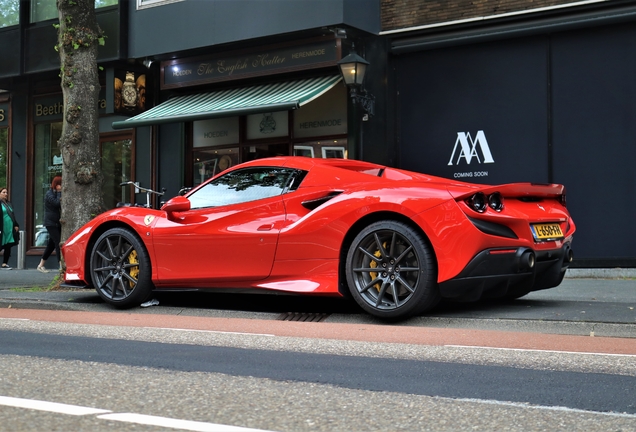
(594, 103)
(475, 113)
(40, 54)
(10, 45)
(198, 24)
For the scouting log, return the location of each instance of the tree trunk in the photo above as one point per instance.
(79, 36)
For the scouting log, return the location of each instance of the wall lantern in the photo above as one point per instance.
(353, 68)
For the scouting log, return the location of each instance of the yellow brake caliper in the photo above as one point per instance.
(374, 264)
(132, 259)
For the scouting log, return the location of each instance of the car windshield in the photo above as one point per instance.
(241, 186)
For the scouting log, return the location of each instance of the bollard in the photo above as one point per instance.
(21, 251)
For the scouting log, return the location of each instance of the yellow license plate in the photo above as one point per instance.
(546, 231)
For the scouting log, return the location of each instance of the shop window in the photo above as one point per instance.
(42, 10)
(143, 4)
(9, 13)
(117, 167)
(4, 145)
(48, 164)
(329, 148)
(304, 150)
(210, 162)
(252, 152)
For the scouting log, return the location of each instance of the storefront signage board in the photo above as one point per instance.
(267, 125)
(264, 61)
(215, 132)
(51, 108)
(4, 114)
(327, 115)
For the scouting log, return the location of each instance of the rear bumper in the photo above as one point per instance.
(502, 271)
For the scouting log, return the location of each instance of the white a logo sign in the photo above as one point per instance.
(468, 148)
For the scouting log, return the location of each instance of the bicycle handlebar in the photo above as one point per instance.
(142, 189)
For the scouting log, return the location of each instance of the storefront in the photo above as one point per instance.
(118, 156)
(238, 106)
(553, 106)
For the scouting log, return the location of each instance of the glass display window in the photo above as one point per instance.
(4, 161)
(117, 167)
(10, 13)
(209, 162)
(328, 148)
(47, 165)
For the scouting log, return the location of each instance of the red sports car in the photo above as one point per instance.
(394, 240)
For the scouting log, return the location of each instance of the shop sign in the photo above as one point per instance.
(51, 108)
(4, 114)
(267, 61)
(267, 125)
(327, 115)
(469, 155)
(215, 132)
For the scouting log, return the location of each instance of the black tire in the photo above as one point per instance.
(120, 269)
(391, 271)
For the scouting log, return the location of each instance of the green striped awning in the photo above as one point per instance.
(280, 96)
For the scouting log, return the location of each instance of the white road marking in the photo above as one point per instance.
(539, 350)
(540, 407)
(175, 423)
(50, 406)
(166, 422)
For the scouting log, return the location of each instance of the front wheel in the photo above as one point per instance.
(120, 268)
(391, 271)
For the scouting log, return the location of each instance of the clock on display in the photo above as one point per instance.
(225, 162)
(129, 91)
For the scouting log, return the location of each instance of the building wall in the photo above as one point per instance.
(556, 107)
(399, 14)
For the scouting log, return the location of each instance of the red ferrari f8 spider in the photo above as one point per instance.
(394, 240)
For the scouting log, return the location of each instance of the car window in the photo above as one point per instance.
(243, 185)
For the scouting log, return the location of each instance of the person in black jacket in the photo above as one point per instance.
(52, 214)
(9, 229)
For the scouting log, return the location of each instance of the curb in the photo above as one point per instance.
(601, 273)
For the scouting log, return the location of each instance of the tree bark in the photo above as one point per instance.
(79, 36)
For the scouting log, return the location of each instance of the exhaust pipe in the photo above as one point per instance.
(526, 260)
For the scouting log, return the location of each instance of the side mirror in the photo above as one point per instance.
(176, 204)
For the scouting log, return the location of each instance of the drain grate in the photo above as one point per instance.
(302, 317)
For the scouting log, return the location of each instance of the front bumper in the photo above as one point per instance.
(500, 272)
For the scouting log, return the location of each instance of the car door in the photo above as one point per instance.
(229, 234)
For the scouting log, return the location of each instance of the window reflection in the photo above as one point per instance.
(241, 186)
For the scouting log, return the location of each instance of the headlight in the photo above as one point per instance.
(495, 201)
(478, 202)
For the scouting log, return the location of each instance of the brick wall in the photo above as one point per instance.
(398, 14)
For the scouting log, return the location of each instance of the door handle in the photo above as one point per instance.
(266, 227)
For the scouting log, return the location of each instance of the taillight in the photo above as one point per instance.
(478, 202)
(495, 201)
(562, 199)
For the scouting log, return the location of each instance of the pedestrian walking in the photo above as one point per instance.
(9, 229)
(52, 214)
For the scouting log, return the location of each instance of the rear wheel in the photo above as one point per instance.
(391, 271)
(120, 268)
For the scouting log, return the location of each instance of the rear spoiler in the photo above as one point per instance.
(512, 190)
